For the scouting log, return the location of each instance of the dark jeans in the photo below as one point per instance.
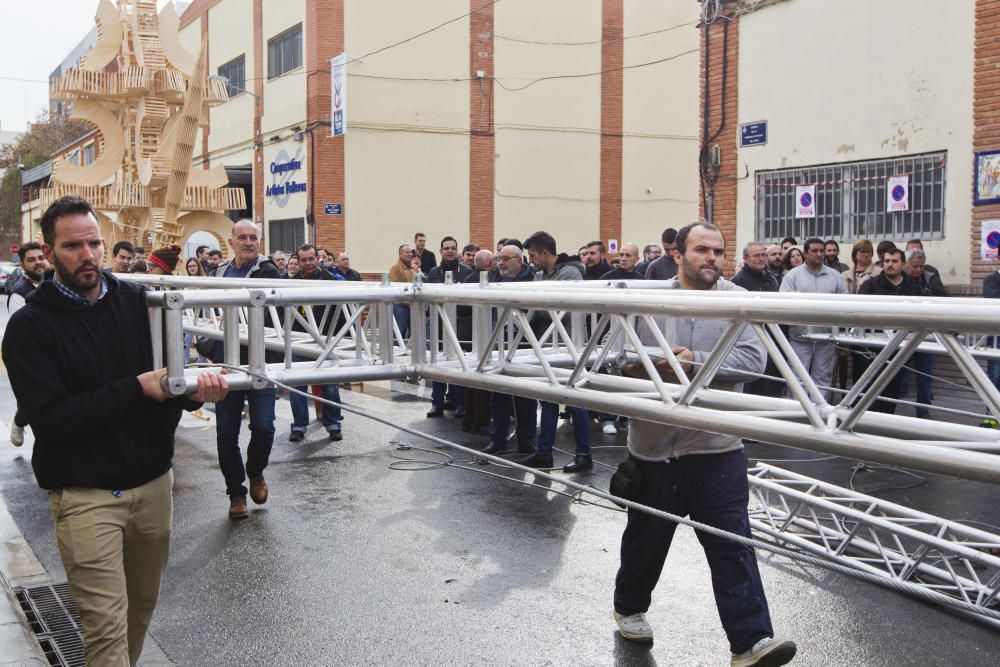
(712, 489)
(331, 415)
(401, 313)
(923, 363)
(505, 407)
(442, 392)
(547, 429)
(993, 372)
(228, 419)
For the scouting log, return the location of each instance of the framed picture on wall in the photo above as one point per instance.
(987, 182)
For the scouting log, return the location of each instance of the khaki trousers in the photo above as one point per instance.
(114, 550)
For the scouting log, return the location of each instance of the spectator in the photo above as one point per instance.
(292, 267)
(121, 257)
(403, 271)
(140, 254)
(427, 259)
(310, 269)
(163, 261)
(754, 276)
(928, 283)
(814, 277)
(629, 256)
(991, 290)
(864, 268)
(139, 266)
(788, 242)
(512, 269)
(80, 360)
(792, 258)
(917, 244)
(476, 401)
(775, 263)
(214, 261)
(324, 258)
(201, 255)
(33, 268)
(880, 250)
(444, 396)
(246, 262)
(594, 257)
(343, 268)
(664, 268)
(891, 281)
(832, 258)
(280, 260)
(691, 472)
(469, 254)
(649, 254)
(551, 265)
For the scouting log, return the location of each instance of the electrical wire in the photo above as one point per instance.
(589, 74)
(895, 584)
(596, 41)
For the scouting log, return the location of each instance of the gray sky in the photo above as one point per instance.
(35, 36)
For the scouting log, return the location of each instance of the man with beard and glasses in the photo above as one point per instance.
(697, 474)
(33, 267)
(80, 359)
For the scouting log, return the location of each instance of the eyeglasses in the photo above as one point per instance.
(501, 258)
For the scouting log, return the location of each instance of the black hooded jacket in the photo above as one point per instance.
(73, 369)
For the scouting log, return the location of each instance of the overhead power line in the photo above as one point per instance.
(596, 41)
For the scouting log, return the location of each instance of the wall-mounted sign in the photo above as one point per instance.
(805, 201)
(338, 94)
(897, 190)
(333, 209)
(753, 134)
(990, 245)
(613, 246)
(283, 170)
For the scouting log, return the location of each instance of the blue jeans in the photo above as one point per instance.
(442, 392)
(228, 420)
(503, 407)
(331, 415)
(711, 489)
(401, 313)
(993, 372)
(547, 429)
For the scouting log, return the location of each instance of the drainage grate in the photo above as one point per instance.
(54, 619)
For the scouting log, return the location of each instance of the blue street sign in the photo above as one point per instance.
(333, 209)
(753, 134)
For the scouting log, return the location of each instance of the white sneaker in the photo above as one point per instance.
(768, 652)
(634, 627)
(16, 435)
(609, 428)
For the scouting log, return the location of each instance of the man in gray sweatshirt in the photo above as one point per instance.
(703, 475)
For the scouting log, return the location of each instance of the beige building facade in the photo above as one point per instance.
(503, 121)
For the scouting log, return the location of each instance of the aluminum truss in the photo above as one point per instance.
(594, 331)
(876, 536)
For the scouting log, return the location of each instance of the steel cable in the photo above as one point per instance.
(901, 586)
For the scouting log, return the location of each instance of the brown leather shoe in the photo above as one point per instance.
(258, 490)
(238, 508)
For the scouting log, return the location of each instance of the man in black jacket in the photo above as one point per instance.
(594, 257)
(247, 262)
(80, 360)
(628, 256)
(309, 269)
(892, 281)
(445, 396)
(991, 290)
(754, 277)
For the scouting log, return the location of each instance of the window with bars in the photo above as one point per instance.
(284, 52)
(235, 74)
(851, 201)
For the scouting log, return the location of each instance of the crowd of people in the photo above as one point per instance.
(64, 301)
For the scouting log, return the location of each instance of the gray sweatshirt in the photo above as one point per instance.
(649, 441)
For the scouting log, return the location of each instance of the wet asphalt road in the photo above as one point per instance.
(350, 562)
